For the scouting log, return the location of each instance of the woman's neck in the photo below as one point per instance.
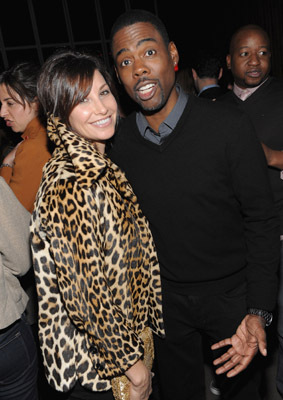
(100, 146)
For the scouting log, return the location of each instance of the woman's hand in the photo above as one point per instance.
(140, 378)
(10, 157)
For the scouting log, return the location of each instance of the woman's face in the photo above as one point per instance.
(16, 116)
(95, 117)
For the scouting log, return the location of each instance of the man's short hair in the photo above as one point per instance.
(249, 27)
(135, 16)
(207, 64)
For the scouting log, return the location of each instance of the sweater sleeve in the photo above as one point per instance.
(79, 259)
(252, 188)
(14, 234)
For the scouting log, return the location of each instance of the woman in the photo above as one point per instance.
(18, 355)
(97, 274)
(22, 167)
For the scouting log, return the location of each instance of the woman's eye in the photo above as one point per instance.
(105, 92)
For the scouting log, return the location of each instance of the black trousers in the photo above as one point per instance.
(18, 362)
(80, 393)
(77, 393)
(179, 363)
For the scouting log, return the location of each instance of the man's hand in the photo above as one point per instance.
(140, 378)
(249, 337)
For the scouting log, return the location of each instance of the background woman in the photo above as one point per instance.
(22, 167)
(97, 274)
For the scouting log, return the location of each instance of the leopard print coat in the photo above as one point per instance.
(97, 274)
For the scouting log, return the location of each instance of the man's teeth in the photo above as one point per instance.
(146, 88)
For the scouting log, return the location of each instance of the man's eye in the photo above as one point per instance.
(150, 52)
(125, 63)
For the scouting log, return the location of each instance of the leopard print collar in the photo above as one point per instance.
(89, 165)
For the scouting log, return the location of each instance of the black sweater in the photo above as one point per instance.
(206, 194)
(265, 109)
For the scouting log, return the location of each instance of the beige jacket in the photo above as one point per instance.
(15, 257)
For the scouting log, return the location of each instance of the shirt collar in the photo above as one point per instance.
(208, 87)
(32, 129)
(243, 94)
(167, 126)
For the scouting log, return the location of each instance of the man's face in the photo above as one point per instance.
(249, 58)
(145, 65)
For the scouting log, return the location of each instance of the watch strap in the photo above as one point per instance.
(266, 315)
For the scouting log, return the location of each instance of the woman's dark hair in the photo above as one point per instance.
(21, 79)
(66, 79)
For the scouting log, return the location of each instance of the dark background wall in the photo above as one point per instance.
(212, 24)
(33, 29)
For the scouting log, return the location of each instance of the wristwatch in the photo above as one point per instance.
(266, 315)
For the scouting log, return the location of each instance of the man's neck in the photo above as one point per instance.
(241, 86)
(204, 82)
(156, 118)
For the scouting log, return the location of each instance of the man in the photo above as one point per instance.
(207, 71)
(210, 210)
(260, 96)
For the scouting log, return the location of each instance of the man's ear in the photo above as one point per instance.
(174, 53)
(228, 61)
(194, 73)
(220, 73)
